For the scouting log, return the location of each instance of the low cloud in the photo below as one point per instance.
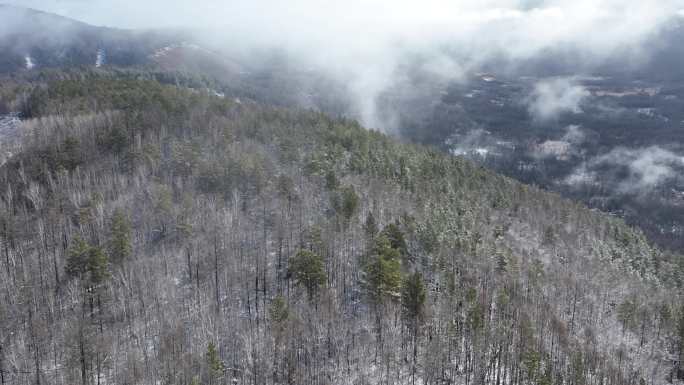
(553, 97)
(471, 141)
(363, 43)
(574, 135)
(569, 145)
(630, 171)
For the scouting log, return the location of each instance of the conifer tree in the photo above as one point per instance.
(87, 262)
(307, 269)
(370, 227)
(214, 363)
(680, 335)
(383, 270)
(412, 302)
(120, 238)
(396, 239)
(77, 258)
(626, 312)
(345, 201)
(413, 297)
(97, 265)
(278, 312)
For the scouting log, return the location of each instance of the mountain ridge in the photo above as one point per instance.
(188, 219)
(219, 241)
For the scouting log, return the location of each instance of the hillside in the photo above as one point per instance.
(31, 39)
(614, 143)
(157, 234)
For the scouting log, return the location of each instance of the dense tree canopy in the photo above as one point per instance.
(222, 241)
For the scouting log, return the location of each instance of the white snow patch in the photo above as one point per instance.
(483, 152)
(581, 176)
(100, 58)
(161, 52)
(164, 51)
(559, 149)
(29, 62)
(650, 112)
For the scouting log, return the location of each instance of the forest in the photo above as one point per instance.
(154, 232)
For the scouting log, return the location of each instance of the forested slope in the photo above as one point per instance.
(33, 39)
(152, 234)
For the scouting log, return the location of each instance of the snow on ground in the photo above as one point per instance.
(9, 126)
(559, 149)
(483, 152)
(100, 58)
(164, 51)
(9, 135)
(581, 176)
(29, 62)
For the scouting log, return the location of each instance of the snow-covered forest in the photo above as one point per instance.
(159, 234)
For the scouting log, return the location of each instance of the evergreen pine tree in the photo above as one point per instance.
(383, 270)
(307, 269)
(120, 238)
(214, 363)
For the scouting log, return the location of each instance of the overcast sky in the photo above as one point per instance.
(518, 28)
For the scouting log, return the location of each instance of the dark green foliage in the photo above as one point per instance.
(531, 361)
(345, 202)
(214, 362)
(313, 240)
(680, 336)
(97, 265)
(77, 259)
(370, 227)
(413, 296)
(115, 141)
(396, 239)
(120, 247)
(549, 236)
(308, 270)
(70, 156)
(383, 271)
(428, 237)
(278, 312)
(87, 262)
(331, 181)
(626, 312)
(223, 192)
(66, 156)
(501, 262)
(185, 157)
(577, 372)
(476, 316)
(680, 327)
(286, 188)
(547, 377)
(664, 314)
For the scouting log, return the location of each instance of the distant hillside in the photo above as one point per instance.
(32, 39)
(157, 234)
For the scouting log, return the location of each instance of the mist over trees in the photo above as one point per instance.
(499, 91)
(158, 234)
